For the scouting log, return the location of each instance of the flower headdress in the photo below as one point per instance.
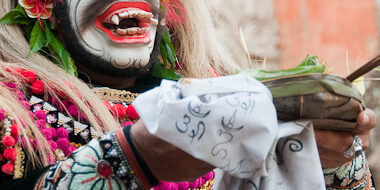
(36, 16)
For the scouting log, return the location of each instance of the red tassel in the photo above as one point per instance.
(29, 76)
(118, 110)
(38, 88)
(131, 112)
(8, 141)
(7, 168)
(175, 12)
(10, 154)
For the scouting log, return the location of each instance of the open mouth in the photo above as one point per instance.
(127, 22)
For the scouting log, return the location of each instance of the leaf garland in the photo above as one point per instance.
(161, 70)
(41, 36)
(309, 65)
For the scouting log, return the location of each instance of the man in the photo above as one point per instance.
(113, 43)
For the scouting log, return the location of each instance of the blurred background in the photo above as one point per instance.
(345, 34)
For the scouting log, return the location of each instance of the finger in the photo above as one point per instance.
(333, 140)
(331, 164)
(333, 156)
(365, 137)
(366, 120)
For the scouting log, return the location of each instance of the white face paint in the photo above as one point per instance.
(122, 34)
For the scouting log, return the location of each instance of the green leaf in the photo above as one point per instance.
(29, 29)
(164, 55)
(49, 35)
(20, 10)
(160, 71)
(16, 16)
(309, 61)
(65, 61)
(37, 38)
(170, 52)
(309, 65)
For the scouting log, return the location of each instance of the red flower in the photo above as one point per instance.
(40, 9)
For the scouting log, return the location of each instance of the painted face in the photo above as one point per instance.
(120, 33)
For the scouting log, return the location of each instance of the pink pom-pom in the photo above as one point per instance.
(25, 103)
(53, 132)
(10, 154)
(53, 145)
(17, 70)
(51, 159)
(54, 101)
(127, 123)
(209, 176)
(31, 115)
(63, 144)
(83, 117)
(62, 133)
(40, 114)
(168, 186)
(41, 124)
(11, 85)
(65, 105)
(201, 182)
(195, 184)
(72, 148)
(20, 95)
(7, 168)
(73, 110)
(8, 141)
(24, 143)
(131, 112)
(183, 186)
(107, 104)
(2, 114)
(47, 134)
(34, 143)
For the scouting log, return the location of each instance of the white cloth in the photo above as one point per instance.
(231, 123)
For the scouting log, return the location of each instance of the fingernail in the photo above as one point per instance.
(365, 118)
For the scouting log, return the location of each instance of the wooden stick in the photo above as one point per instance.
(364, 69)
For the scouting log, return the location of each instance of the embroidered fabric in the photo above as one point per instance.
(354, 175)
(98, 165)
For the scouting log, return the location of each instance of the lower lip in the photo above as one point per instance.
(135, 39)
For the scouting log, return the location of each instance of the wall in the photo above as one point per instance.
(327, 28)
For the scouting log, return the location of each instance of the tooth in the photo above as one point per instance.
(149, 15)
(154, 21)
(140, 31)
(115, 19)
(121, 31)
(124, 14)
(132, 13)
(132, 31)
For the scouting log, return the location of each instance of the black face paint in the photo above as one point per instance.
(94, 62)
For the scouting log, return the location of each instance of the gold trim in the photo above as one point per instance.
(114, 95)
(208, 185)
(19, 163)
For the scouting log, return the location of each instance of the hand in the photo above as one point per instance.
(167, 162)
(333, 144)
